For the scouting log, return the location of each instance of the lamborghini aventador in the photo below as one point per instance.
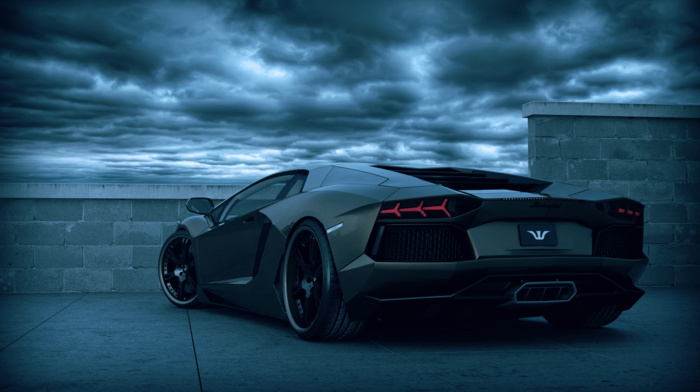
(329, 248)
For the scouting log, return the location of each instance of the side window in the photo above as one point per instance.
(257, 196)
(296, 187)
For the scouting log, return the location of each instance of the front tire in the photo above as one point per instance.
(584, 318)
(312, 296)
(177, 270)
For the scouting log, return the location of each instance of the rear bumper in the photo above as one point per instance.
(395, 289)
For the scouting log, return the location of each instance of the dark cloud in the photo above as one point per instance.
(219, 92)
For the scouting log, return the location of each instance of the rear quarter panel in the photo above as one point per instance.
(354, 206)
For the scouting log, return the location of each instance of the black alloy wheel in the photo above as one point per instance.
(177, 270)
(312, 296)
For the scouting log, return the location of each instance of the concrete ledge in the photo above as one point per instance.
(610, 110)
(115, 191)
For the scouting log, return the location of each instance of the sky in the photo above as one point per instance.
(225, 92)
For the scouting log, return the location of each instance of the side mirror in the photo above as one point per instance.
(200, 205)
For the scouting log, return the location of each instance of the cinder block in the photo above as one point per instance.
(687, 150)
(58, 256)
(654, 149)
(7, 233)
(627, 170)
(155, 210)
(114, 256)
(136, 280)
(39, 281)
(688, 232)
(687, 276)
(594, 127)
(552, 126)
(693, 212)
(168, 229)
(544, 147)
(616, 148)
(663, 275)
(671, 254)
(686, 192)
(589, 169)
(667, 212)
(40, 233)
(137, 233)
(62, 210)
(16, 210)
(88, 280)
(632, 128)
(7, 281)
(90, 233)
(16, 256)
(651, 191)
(107, 210)
(580, 148)
(693, 128)
(549, 169)
(619, 188)
(667, 171)
(658, 233)
(693, 171)
(145, 256)
(674, 128)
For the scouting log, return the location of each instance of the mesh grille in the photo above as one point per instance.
(423, 244)
(620, 242)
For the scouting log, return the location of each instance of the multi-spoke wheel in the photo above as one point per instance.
(177, 270)
(312, 296)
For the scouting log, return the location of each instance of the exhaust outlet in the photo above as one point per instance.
(545, 292)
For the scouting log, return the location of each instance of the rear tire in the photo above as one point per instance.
(584, 318)
(312, 296)
(177, 270)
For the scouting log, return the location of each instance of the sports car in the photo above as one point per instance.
(331, 247)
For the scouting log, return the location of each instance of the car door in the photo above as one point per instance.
(227, 253)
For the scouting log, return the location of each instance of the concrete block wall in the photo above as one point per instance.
(650, 153)
(89, 238)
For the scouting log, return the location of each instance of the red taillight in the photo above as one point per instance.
(397, 210)
(441, 207)
(623, 209)
(394, 211)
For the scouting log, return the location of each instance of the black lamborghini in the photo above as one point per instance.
(330, 247)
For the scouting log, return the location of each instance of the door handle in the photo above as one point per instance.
(249, 219)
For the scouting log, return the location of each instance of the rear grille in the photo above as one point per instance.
(620, 242)
(421, 243)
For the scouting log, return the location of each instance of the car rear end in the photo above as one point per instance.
(518, 251)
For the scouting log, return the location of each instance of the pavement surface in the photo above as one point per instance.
(140, 342)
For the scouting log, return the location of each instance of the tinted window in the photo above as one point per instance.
(257, 196)
(341, 175)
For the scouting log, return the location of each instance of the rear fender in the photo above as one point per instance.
(346, 212)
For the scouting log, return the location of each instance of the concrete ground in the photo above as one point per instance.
(140, 342)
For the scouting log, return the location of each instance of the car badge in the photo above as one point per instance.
(544, 234)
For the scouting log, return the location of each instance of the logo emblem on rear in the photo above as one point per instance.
(538, 234)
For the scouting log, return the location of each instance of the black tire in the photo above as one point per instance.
(177, 270)
(312, 296)
(584, 318)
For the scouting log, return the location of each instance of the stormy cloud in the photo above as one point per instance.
(225, 92)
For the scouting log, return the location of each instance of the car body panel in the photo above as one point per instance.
(371, 213)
